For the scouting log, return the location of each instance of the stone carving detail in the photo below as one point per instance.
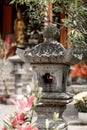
(50, 57)
(57, 73)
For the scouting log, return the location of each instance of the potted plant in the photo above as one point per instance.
(80, 103)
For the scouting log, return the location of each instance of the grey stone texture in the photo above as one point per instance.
(14, 76)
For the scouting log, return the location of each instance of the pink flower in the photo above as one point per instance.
(24, 103)
(27, 127)
(35, 128)
(4, 129)
(18, 119)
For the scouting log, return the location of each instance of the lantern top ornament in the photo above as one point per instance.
(50, 51)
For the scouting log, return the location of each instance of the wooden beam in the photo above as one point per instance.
(50, 13)
(7, 20)
(63, 31)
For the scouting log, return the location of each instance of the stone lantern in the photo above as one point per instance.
(51, 63)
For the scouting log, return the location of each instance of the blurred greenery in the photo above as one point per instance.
(75, 19)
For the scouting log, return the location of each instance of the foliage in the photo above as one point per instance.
(34, 16)
(75, 19)
(80, 102)
(76, 11)
(81, 49)
(76, 22)
(27, 2)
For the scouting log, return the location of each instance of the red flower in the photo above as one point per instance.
(18, 119)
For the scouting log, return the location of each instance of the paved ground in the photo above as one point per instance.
(70, 115)
(4, 110)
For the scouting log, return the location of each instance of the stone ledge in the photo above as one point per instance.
(76, 88)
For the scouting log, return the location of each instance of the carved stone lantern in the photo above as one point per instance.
(51, 63)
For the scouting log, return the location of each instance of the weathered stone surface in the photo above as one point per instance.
(49, 48)
(56, 71)
(42, 126)
(6, 79)
(15, 76)
(50, 62)
(50, 51)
